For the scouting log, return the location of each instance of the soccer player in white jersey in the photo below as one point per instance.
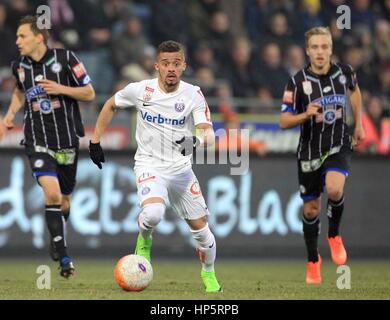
(167, 111)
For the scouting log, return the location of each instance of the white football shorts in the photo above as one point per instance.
(182, 190)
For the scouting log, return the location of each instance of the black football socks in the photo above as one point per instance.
(55, 224)
(334, 212)
(311, 229)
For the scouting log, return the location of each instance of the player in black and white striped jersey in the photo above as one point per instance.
(316, 99)
(49, 84)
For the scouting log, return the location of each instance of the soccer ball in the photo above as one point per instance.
(133, 273)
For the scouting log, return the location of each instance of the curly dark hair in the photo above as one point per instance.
(170, 46)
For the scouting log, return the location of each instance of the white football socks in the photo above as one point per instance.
(207, 247)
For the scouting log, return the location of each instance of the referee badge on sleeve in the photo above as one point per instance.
(307, 88)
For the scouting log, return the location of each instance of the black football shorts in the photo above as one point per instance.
(312, 181)
(44, 164)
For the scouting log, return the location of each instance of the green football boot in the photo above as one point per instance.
(143, 247)
(210, 281)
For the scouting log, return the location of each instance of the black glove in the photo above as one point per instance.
(188, 145)
(96, 153)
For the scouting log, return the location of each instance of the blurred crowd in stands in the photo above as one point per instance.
(235, 48)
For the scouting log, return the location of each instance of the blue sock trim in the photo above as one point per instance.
(65, 260)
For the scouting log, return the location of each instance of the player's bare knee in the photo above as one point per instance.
(311, 210)
(311, 214)
(52, 197)
(334, 193)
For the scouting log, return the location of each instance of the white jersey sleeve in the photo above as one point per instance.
(200, 112)
(126, 97)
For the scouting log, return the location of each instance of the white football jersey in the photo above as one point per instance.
(162, 119)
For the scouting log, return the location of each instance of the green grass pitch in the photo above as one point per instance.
(179, 279)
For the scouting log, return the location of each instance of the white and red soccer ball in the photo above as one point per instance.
(133, 273)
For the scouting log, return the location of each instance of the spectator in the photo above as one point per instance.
(199, 15)
(383, 9)
(204, 77)
(169, 21)
(278, 32)
(329, 9)
(240, 71)
(384, 80)
(256, 15)
(143, 68)
(220, 37)
(7, 39)
(235, 13)
(339, 39)
(295, 59)
(365, 41)
(361, 14)
(117, 11)
(7, 81)
(95, 42)
(266, 101)
(271, 64)
(311, 14)
(225, 98)
(65, 27)
(377, 129)
(92, 26)
(147, 61)
(203, 56)
(382, 39)
(17, 9)
(354, 57)
(95, 25)
(285, 6)
(130, 44)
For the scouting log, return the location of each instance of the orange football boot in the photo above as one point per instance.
(337, 250)
(313, 274)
